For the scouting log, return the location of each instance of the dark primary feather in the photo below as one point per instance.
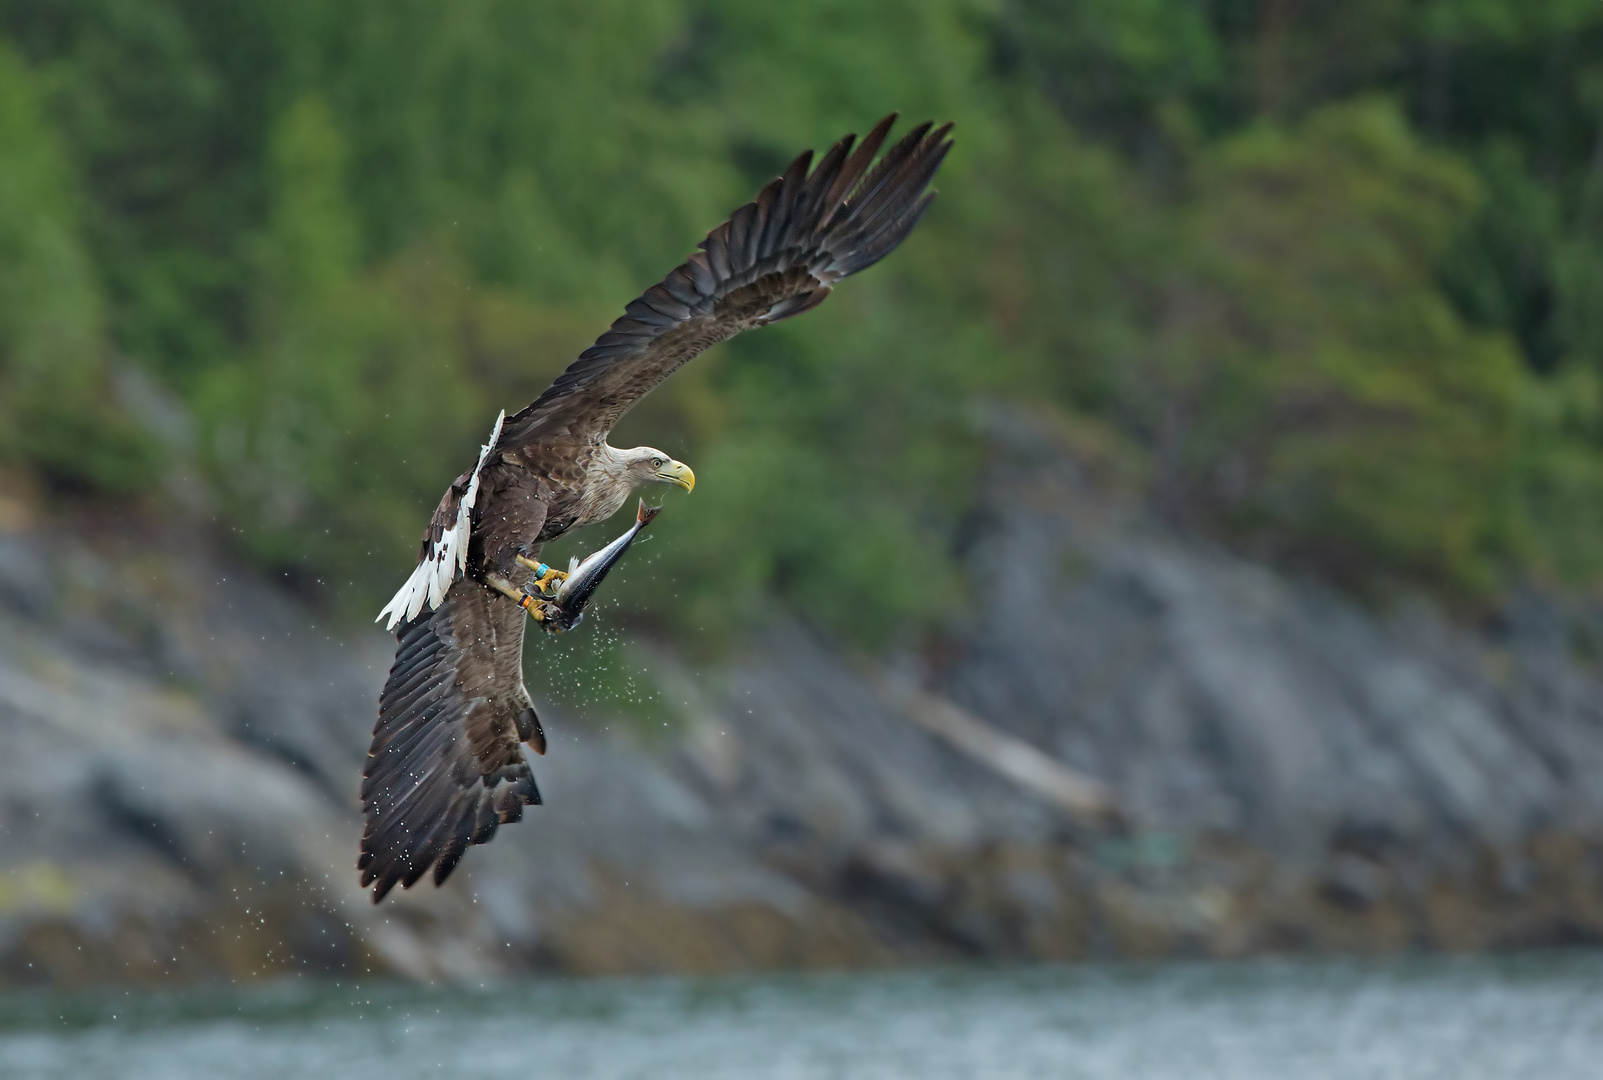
(775, 257)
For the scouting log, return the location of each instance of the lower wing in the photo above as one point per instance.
(446, 766)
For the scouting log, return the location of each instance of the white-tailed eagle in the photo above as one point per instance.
(447, 765)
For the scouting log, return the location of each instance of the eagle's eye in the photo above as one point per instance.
(656, 463)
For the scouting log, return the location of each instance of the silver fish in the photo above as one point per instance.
(567, 607)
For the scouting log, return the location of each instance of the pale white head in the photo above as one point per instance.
(648, 465)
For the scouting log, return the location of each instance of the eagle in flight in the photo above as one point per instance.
(447, 765)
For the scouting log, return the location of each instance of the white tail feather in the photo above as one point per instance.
(432, 577)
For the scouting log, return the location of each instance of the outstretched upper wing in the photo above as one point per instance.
(446, 766)
(774, 258)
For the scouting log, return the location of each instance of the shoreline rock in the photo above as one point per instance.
(180, 744)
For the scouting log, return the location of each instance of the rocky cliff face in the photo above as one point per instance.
(1128, 744)
(180, 747)
(1290, 770)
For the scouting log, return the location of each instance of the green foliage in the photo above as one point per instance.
(1308, 351)
(1114, 66)
(57, 412)
(842, 513)
(1335, 270)
(359, 385)
(1562, 489)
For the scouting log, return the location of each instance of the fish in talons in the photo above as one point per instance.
(583, 578)
(560, 599)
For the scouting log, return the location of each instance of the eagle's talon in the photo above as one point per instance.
(544, 613)
(549, 582)
(537, 606)
(550, 578)
(540, 611)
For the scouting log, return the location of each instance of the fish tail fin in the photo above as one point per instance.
(644, 515)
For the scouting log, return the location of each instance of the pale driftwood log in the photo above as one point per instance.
(1014, 760)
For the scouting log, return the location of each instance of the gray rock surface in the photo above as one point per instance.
(180, 750)
(180, 746)
(1293, 769)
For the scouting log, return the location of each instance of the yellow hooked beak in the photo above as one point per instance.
(677, 472)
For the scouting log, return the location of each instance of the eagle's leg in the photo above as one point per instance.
(534, 605)
(550, 577)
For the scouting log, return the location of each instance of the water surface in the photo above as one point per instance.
(1457, 1019)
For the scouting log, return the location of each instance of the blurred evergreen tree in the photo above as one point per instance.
(1329, 271)
(58, 409)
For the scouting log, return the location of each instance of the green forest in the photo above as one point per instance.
(1324, 278)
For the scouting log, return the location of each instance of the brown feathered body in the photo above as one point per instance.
(447, 765)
